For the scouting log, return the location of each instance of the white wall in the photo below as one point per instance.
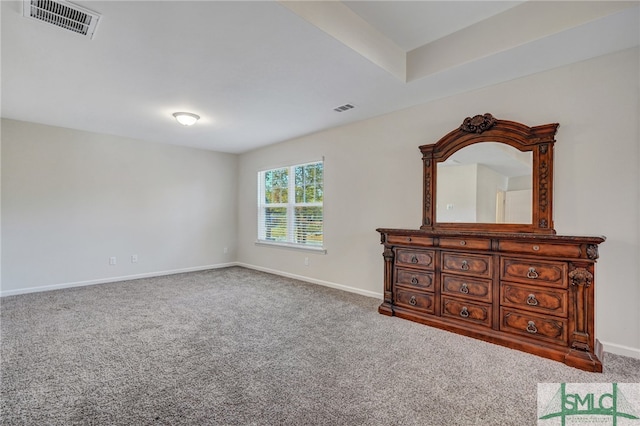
(72, 199)
(457, 189)
(373, 173)
(489, 182)
(519, 183)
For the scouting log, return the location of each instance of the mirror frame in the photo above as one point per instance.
(485, 128)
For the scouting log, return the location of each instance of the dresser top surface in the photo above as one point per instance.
(522, 236)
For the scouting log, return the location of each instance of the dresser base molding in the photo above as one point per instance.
(582, 360)
(487, 286)
(385, 309)
(587, 361)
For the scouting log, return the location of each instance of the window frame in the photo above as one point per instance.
(290, 207)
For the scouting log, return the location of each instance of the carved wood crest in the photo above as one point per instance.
(478, 123)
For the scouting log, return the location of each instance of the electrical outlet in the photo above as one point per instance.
(225, 250)
(112, 260)
(306, 261)
(134, 258)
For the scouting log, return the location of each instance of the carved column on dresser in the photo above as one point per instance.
(582, 342)
(386, 307)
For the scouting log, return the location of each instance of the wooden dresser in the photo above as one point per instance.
(511, 282)
(529, 292)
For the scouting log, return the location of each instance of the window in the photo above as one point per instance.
(290, 201)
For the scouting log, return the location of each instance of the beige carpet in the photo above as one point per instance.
(239, 347)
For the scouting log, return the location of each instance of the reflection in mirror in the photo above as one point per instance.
(487, 182)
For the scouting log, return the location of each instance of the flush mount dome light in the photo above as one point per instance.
(186, 118)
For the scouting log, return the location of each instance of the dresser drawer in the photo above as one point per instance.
(526, 271)
(462, 263)
(466, 243)
(473, 288)
(543, 300)
(414, 240)
(415, 258)
(543, 249)
(477, 313)
(414, 300)
(549, 329)
(414, 279)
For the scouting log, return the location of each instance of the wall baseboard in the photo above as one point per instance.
(314, 281)
(620, 350)
(183, 270)
(113, 279)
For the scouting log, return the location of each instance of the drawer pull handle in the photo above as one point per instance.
(531, 300)
(414, 259)
(463, 243)
(414, 280)
(532, 273)
(464, 313)
(465, 265)
(413, 301)
(464, 289)
(409, 239)
(531, 327)
(536, 248)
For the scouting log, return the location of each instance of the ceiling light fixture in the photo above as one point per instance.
(186, 118)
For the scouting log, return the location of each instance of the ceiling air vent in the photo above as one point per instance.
(62, 14)
(343, 108)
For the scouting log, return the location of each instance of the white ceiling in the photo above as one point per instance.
(501, 158)
(411, 24)
(262, 72)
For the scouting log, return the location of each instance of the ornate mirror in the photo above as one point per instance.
(490, 175)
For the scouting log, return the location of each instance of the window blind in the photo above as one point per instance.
(290, 205)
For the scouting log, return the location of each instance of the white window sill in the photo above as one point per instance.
(289, 246)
